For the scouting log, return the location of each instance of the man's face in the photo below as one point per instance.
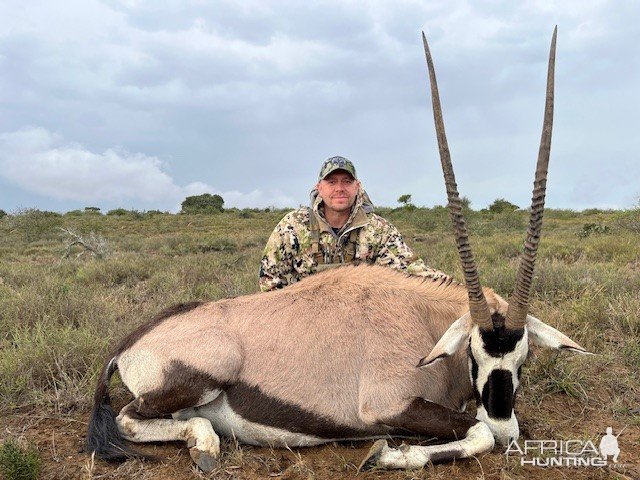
(338, 191)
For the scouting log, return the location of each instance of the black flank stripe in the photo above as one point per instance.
(252, 404)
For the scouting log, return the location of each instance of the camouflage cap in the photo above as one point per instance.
(336, 163)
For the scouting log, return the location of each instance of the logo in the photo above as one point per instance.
(567, 453)
(609, 445)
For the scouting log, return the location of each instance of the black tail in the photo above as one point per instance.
(103, 436)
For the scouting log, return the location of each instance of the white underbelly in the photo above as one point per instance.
(228, 423)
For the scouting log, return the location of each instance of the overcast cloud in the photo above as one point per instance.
(137, 104)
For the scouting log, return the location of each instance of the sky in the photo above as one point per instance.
(138, 104)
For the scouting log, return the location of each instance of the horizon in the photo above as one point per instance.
(90, 210)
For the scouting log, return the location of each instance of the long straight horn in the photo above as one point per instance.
(477, 303)
(519, 301)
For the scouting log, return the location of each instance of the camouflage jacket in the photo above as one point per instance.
(288, 255)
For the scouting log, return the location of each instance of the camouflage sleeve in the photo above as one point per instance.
(395, 253)
(276, 266)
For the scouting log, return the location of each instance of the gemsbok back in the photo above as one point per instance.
(338, 355)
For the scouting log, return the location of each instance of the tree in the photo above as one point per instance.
(2, 213)
(500, 205)
(405, 199)
(92, 210)
(205, 203)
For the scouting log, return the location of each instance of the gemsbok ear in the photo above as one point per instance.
(543, 335)
(453, 340)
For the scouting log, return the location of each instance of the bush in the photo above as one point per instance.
(121, 212)
(501, 205)
(34, 224)
(628, 220)
(561, 214)
(18, 463)
(118, 212)
(92, 210)
(2, 213)
(589, 228)
(594, 211)
(205, 203)
(74, 213)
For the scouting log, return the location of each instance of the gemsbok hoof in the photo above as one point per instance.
(205, 461)
(371, 460)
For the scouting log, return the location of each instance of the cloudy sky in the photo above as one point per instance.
(127, 103)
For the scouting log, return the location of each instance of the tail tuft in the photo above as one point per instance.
(103, 436)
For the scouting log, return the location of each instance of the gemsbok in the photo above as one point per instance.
(339, 355)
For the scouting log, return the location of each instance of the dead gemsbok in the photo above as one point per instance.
(334, 357)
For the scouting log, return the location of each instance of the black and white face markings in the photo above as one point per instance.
(495, 358)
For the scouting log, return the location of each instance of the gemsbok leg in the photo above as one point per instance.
(139, 423)
(425, 418)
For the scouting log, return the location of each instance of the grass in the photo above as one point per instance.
(60, 316)
(549, 374)
(18, 462)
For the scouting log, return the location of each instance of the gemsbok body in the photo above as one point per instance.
(339, 355)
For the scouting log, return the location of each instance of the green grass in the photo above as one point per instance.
(18, 462)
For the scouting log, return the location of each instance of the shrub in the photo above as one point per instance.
(594, 211)
(428, 220)
(628, 220)
(19, 463)
(205, 203)
(505, 221)
(589, 228)
(2, 213)
(501, 205)
(118, 212)
(561, 214)
(92, 210)
(34, 224)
